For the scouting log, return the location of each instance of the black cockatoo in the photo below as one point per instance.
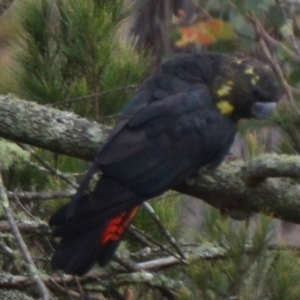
(181, 119)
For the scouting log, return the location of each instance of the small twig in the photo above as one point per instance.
(127, 264)
(22, 245)
(292, 38)
(111, 116)
(26, 227)
(44, 170)
(276, 43)
(160, 262)
(79, 286)
(139, 237)
(266, 52)
(71, 294)
(277, 69)
(23, 208)
(63, 281)
(6, 250)
(48, 166)
(42, 195)
(157, 280)
(165, 231)
(132, 86)
(155, 242)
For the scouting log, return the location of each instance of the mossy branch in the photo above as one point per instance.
(266, 185)
(58, 131)
(228, 187)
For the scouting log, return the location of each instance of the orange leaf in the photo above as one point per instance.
(188, 35)
(204, 36)
(213, 26)
(205, 32)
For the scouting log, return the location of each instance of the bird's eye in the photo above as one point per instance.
(256, 92)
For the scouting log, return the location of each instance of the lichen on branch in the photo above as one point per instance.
(265, 185)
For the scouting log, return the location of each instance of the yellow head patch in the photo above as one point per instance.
(225, 107)
(254, 76)
(238, 61)
(225, 89)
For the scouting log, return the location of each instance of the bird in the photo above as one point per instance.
(183, 118)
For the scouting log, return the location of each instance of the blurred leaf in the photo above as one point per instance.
(294, 77)
(206, 32)
(276, 16)
(242, 25)
(228, 46)
(287, 29)
(259, 7)
(285, 277)
(227, 32)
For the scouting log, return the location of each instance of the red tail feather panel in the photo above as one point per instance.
(117, 226)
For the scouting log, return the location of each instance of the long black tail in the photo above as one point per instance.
(93, 229)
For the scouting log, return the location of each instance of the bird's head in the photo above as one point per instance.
(245, 88)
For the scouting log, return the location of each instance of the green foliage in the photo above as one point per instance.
(168, 210)
(248, 269)
(72, 49)
(288, 120)
(14, 295)
(284, 277)
(12, 156)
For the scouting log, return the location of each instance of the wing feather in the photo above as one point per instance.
(148, 154)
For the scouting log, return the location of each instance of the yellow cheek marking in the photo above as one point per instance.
(225, 89)
(254, 77)
(249, 70)
(225, 107)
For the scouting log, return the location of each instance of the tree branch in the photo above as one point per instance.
(226, 188)
(41, 195)
(59, 131)
(32, 269)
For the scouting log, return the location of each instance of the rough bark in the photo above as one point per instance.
(59, 131)
(268, 184)
(228, 187)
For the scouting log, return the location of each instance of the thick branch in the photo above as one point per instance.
(226, 187)
(59, 131)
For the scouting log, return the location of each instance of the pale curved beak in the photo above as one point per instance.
(263, 110)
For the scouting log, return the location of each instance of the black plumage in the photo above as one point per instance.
(181, 119)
